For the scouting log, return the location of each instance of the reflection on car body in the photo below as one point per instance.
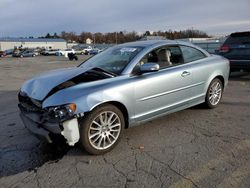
(125, 85)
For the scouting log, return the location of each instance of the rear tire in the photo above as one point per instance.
(101, 129)
(214, 93)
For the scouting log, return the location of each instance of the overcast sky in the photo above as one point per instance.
(38, 17)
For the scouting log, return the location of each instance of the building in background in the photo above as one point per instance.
(72, 44)
(202, 40)
(89, 41)
(153, 38)
(11, 43)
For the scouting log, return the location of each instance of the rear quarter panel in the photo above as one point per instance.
(205, 70)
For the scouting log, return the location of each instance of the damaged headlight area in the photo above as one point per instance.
(62, 113)
(44, 122)
(67, 119)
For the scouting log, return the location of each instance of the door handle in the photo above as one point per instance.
(185, 73)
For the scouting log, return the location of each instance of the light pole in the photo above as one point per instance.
(94, 38)
(116, 37)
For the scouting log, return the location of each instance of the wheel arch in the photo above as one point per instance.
(211, 78)
(221, 78)
(120, 106)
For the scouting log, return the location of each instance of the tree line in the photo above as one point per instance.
(124, 36)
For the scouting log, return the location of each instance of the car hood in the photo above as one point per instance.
(39, 86)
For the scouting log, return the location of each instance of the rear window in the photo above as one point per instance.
(238, 38)
(191, 54)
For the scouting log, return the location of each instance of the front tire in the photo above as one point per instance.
(101, 129)
(214, 93)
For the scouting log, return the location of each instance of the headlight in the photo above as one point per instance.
(63, 112)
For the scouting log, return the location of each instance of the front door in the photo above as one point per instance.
(169, 88)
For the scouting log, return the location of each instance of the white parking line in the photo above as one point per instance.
(51, 62)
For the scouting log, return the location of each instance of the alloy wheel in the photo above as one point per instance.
(104, 130)
(215, 93)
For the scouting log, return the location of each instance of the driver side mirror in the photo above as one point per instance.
(149, 67)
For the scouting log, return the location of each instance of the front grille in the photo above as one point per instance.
(28, 104)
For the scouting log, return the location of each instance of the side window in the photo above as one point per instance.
(166, 56)
(175, 55)
(191, 54)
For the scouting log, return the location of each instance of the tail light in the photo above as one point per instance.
(224, 48)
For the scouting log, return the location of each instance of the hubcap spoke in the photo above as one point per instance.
(104, 141)
(97, 123)
(113, 120)
(113, 130)
(218, 91)
(109, 139)
(95, 128)
(98, 137)
(94, 135)
(112, 136)
(105, 117)
(100, 141)
(110, 118)
(101, 119)
(115, 125)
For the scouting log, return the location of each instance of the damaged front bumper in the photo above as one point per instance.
(36, 129)
(39, 125)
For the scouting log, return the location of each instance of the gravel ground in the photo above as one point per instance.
(191, 148)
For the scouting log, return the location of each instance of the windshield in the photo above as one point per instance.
(114, 59)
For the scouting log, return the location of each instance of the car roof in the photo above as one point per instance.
(240, 34)
(155, 43)
(147, 43)
(152, 44)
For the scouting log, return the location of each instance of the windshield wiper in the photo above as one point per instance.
(111, 74)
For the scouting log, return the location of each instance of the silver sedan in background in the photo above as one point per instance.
(122, 86)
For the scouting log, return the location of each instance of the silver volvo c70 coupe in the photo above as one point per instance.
(123, 86)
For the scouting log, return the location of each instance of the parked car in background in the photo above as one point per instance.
(9, 51)
(123, 86)
(37, 51)
(94, 51)
(40, 50)
(24, 53)
(87, 50)
(65, 52)
(79, 51)
(17, 52)
(50, 52)
(236, 48)
(2, 53)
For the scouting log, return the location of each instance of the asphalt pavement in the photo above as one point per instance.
(196, 147)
